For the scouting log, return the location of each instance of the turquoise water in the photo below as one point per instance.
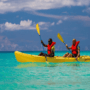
(43, 76)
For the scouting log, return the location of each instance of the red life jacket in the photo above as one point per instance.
(50, 46)
(74, 47)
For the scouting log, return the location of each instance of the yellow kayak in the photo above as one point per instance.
(22, 57)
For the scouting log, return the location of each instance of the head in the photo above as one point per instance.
(50, 41)
(73, 41)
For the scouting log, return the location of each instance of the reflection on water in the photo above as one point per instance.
(33, 64)
(47, 64)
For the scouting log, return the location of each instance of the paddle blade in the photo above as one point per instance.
(60, 37)
(37, 27)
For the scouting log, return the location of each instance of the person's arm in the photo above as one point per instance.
(43, 44)
(68, 47)
(78, 54)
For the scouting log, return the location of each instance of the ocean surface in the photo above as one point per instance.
(43, 76)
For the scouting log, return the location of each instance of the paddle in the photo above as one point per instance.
(38, 30)
(61, 39)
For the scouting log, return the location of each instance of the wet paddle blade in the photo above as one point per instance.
(37, 27)
(60, 37)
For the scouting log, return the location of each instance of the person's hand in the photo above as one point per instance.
(76, 57)
(45, 56)
(41, 41)
(66, 45)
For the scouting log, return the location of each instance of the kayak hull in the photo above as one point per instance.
(22, 57)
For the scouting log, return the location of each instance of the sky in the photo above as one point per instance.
(18, 19)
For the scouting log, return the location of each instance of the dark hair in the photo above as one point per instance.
(50, 40)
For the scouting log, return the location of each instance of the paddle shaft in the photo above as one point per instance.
(40, 40)
(43, 47)
(38, 31)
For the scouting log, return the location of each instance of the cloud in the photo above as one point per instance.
(6, 45)
(86, 48)
(17, 16)
(59, 22)
(64, 17)
(82, 38)
(87, 10)
(78, 17)
(29, 5)
(53, 23)
(47, 15)
(64, 12)
(45, 25)
(64, 33)
(25, 25)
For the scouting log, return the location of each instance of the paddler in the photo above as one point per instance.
(75, 49)
(50, 48)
